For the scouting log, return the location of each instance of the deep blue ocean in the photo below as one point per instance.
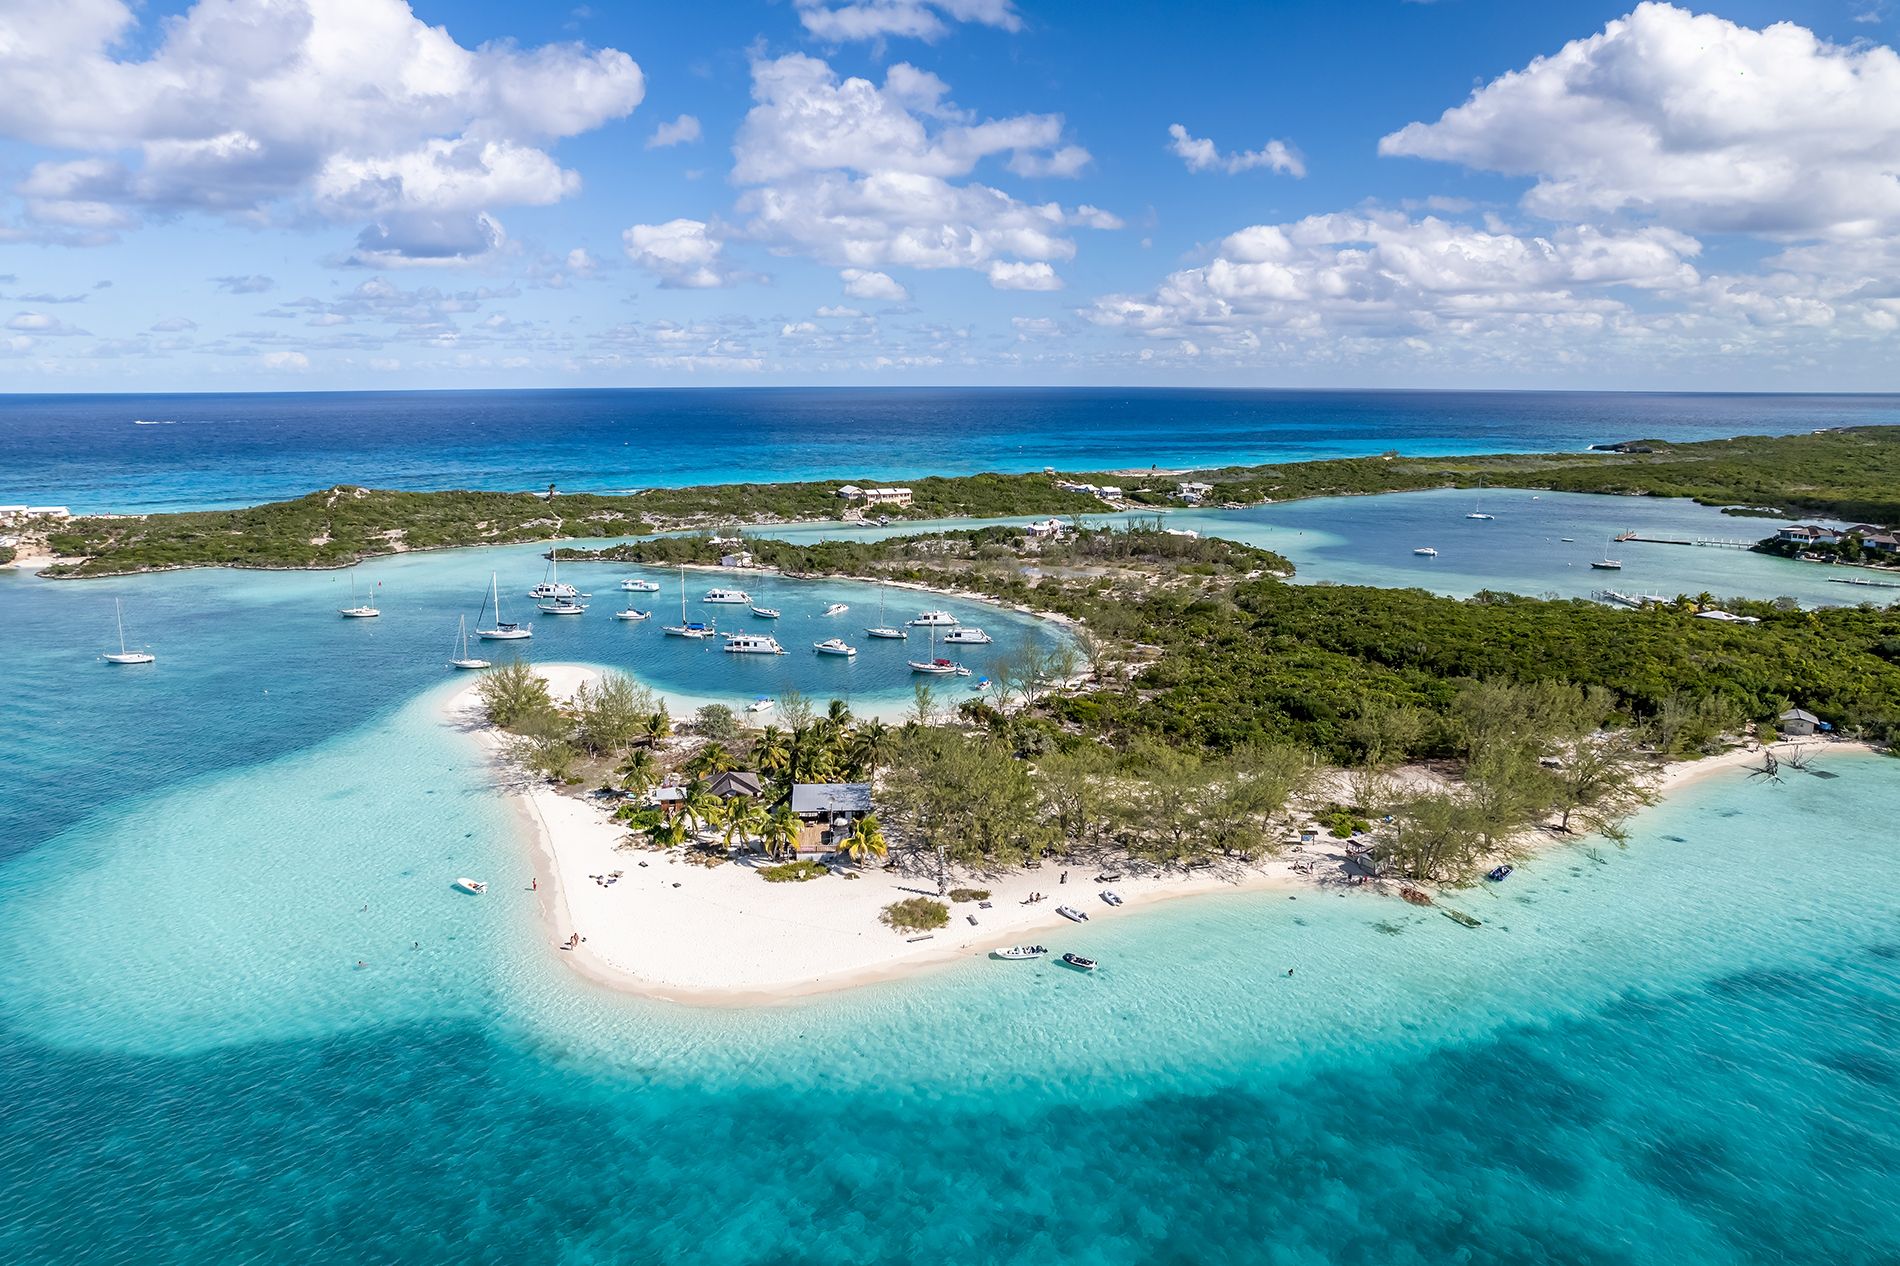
(167, 452)
(1681, 1050)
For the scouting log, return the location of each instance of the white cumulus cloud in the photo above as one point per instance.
(861, 283)
(1201, 154)
(684, 254)
(908, 19)
(676, 132)
(1694, 121)
(351, 109)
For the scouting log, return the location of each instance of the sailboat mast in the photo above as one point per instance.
(118, 611)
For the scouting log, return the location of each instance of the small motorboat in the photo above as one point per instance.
(640, 586)
(1426, 551)
(473, 886)
(1072, 914)
(1017, 952)
(835, 646)
(1079, 963)
(1111, 896)
(981, 683)
(631, 614)
(761, 704)
(1499, 874)
(836, 608)
(969, 636)
(933, 619)
(728, 597)
(752, 644)
(561, 606)
(766, 613)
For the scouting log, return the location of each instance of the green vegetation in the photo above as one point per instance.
(7, 554)
(1852, 473)
(915, 914)
(793, 872)
(965, 895)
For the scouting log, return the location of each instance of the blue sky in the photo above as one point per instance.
(312, 194)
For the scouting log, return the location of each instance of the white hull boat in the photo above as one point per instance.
(640, 586)
(631, 614)
(562, 606)
(835, 646)
(767, 613)
(752, 644)
(1072, 914)
(933, 619)
(459, 656)
(970, 637)
(1017, 953)
(728, 597)
(895, 635)
(474, 887)
(503, 630)
(836, 608)
(124, 655)
(759, 705)
(1426, 552)
(358, 610)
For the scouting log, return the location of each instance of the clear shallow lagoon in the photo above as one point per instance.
(1689, 1043)
(173, 452)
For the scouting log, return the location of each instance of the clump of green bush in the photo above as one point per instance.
(915, 914)
(793, 872)
(969, 894)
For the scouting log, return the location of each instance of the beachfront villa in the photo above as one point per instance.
(11, 515)
(1193, 493)
(1797, 723)
(826, 812)
(876, 496)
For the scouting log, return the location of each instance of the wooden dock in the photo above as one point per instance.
(1700, 542)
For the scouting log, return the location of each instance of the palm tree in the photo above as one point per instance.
(779, 833)
(713, 758)
(811, 755)
(698, 804)
(657, 727)
(870, 747)
(838, 716)
(771, 753)
(741, 817)
(866, 840)
(638, 772)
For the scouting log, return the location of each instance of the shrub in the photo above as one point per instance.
(969, 894)
(793, 872)
(916, 914)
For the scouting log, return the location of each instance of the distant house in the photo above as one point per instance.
(826, 812)
(741, 559)
(734, 783)
(1193, 492)
(851, 492)
(1885, 542)
(1797, 722)
(1043, 529)
(887, 496)
(1727, 617)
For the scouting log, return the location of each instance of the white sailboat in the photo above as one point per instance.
(504, 630)
(936, 666)
(459, 656)
(687, 628)
(1606, 563)
(126, 656)
(358, 610)
(560, 599)
(883, 628)
(1477, 507)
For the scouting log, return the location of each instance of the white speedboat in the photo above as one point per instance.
(933, 619)
(475, 886)
(767, 613)
(752, 644)
(640, 586)
(836, 608)
(357, 610)
(761, 704)
(1079, 963)
(968, 636)
(631, 614)
(459, 656)
(561, 606)
(1072, 914)
(1019, 952)
(503, 630)
(728, 597)
(126, 656)
(1426, 551)
(1112, 897)
(835, 646)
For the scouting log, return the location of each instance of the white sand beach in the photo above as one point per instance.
(720, 935)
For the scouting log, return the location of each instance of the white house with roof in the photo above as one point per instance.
(1189, 490)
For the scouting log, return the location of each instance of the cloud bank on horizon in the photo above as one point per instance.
(336, 193)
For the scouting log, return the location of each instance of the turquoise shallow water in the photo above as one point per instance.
(1684, 1048)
